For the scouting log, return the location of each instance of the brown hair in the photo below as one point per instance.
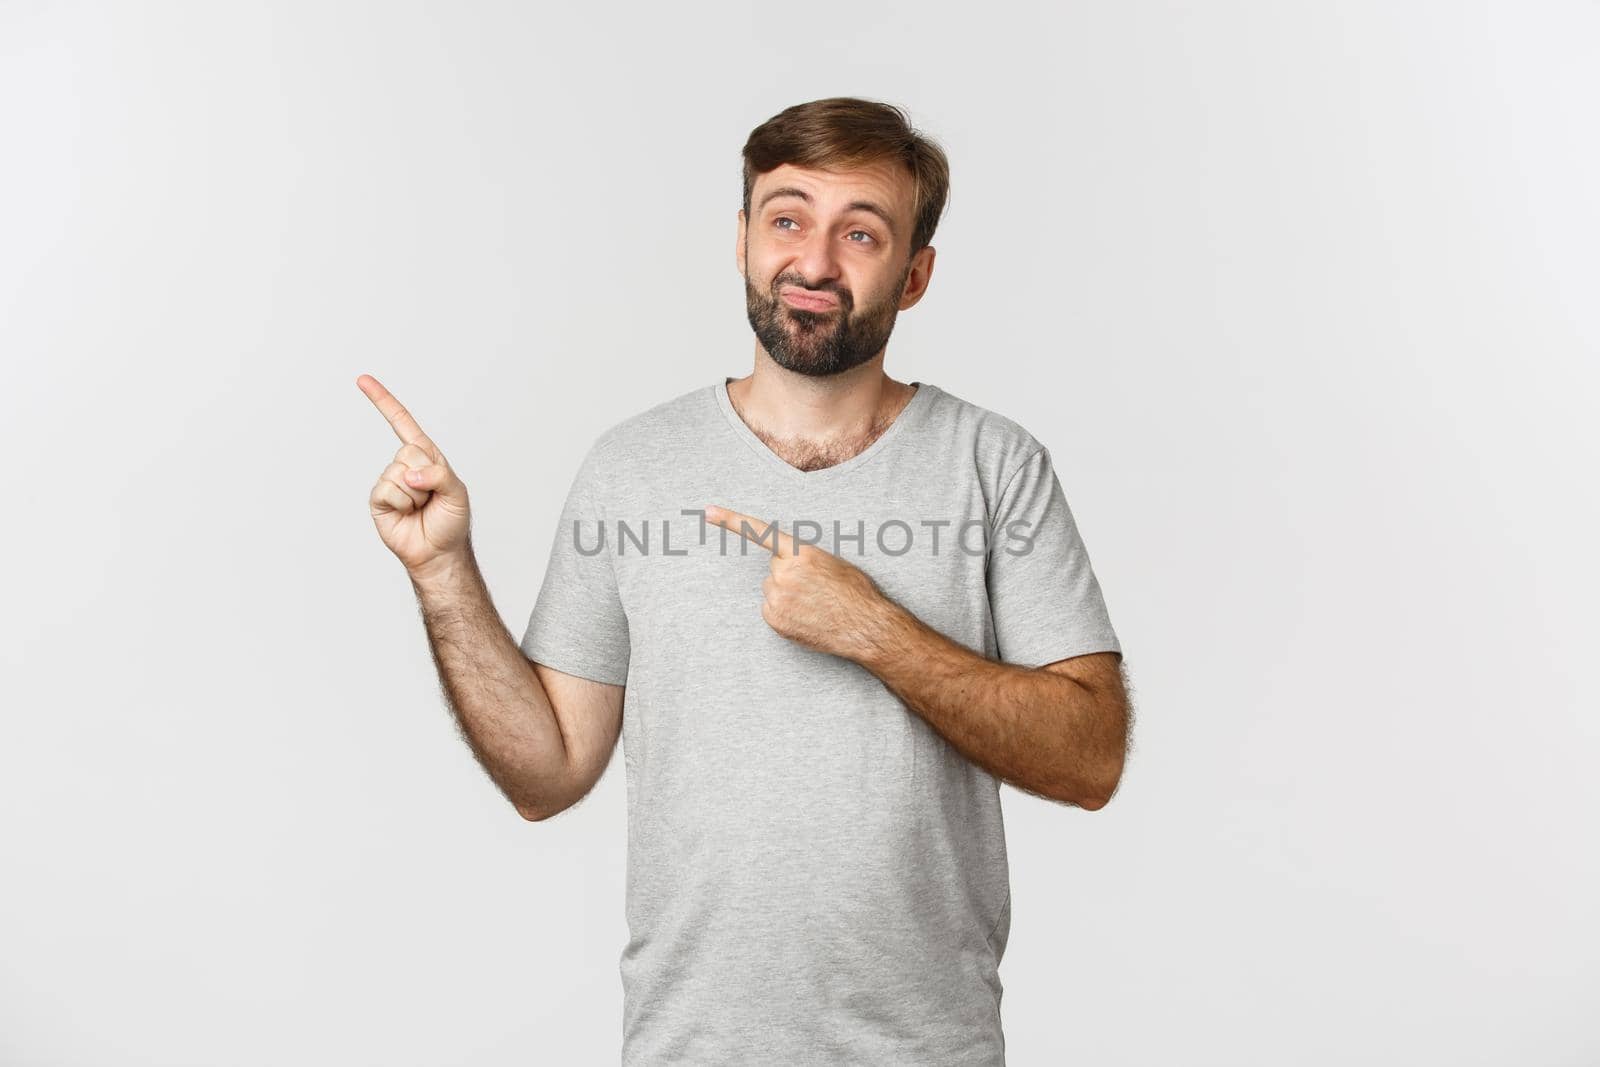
(846, 131)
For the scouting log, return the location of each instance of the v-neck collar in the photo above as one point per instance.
(911, 412)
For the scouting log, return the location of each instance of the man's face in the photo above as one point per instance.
(826, 264)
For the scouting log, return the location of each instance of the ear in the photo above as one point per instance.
(918, 277)
(738, 245)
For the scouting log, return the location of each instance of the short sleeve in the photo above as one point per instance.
(1044, 597)
(577, 625)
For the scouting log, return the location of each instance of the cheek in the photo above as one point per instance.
(758, 261)
(880, 291)
(759, 275)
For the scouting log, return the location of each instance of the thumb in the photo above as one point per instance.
(436, 477)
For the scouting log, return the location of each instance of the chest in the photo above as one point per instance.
(694, 589)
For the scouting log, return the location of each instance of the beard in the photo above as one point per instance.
(820, 343)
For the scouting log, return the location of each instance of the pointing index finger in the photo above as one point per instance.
(404, 425)
(758, 531)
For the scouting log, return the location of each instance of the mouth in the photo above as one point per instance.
(809, 301)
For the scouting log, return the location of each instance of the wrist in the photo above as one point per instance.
(444, 572)
(886, 636)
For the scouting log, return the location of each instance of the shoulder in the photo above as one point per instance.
(660, 430)
(998, 445)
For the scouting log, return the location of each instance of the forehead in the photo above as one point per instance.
(880, 181)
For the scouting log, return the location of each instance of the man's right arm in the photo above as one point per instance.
(543, 736)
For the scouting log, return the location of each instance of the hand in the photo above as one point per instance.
(812, 596)
(419, 505)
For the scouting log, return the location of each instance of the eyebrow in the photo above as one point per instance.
(854, 205)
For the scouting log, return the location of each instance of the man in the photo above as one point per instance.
(828, 612)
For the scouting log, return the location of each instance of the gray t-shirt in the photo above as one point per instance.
(814, 875)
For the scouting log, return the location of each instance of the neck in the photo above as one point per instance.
(788, 406)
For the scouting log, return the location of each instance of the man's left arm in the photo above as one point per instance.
(1059, 731)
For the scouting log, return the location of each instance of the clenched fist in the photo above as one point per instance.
(419, 505)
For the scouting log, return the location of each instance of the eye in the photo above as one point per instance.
(864, 233)
(781, 218)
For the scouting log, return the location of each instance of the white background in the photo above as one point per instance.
(1302, 298)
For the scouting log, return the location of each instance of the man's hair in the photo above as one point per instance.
(845, 131)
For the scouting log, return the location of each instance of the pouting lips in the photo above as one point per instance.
(808, 301)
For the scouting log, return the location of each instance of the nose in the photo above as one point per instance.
(817, 260)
